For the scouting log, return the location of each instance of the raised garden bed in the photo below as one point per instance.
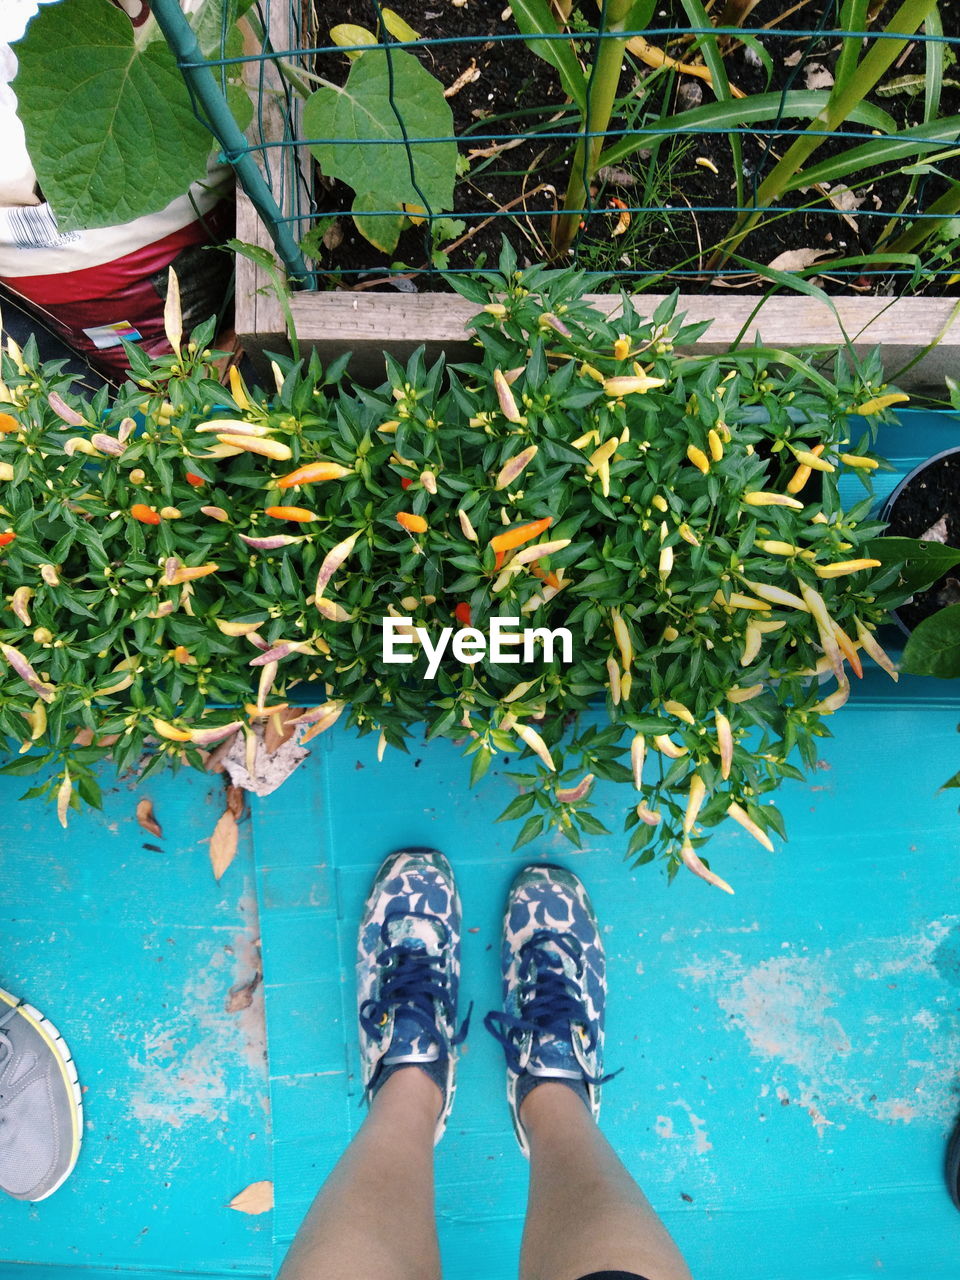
(356, 316)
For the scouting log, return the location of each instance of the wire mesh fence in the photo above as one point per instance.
(755, 143)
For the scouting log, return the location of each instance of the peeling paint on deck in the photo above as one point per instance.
(830, 1025)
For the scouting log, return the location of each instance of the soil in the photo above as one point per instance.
(517, 92)
(933, 497)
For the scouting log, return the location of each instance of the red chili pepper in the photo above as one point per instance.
(462, 613)
(195, 480)
(405, 482)
(7, 538)
(145, 514)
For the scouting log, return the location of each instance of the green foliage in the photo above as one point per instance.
(652, 557)
(921, 563)
(368, 150)
(934, 645)
(108, 120)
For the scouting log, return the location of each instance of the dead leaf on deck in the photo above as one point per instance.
(235, 801)
(240, 997)
(257, 1198)
(797, 259)
(83, 738)
(145, 817)
(279, 728)
(223, 843)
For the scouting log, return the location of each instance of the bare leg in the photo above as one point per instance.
(585, 1212)
(374, 1216)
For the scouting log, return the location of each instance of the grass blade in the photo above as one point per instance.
(534, 18)
(804, 104)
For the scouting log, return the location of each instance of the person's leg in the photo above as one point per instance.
(586, 1215)
(585, 1212)
(373, 1218)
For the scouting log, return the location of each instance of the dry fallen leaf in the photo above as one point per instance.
(279, 728)
(83, 738)
(817, 76)
(466, 77)
(235, 801)
(797, 259)
(937, 532)
(241, 996)
(333, 236)
(145, 817)
(223, 843)
(257, 1198)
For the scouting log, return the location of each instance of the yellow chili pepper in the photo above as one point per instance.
(698, 458)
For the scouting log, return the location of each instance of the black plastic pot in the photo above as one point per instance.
(887, 509)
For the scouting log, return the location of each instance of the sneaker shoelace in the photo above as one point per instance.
(414, 981)
(550, 1000)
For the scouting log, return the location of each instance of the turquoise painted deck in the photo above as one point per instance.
(791, 1055)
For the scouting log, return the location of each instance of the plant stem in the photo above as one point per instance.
(603, 93)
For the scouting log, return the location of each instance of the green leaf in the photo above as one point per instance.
(934, 646)
(534, 18)
(529, 831)
(922, 562)
(369, 152)
(480, 764)
(23, 766)
(518, 806)
(110, 128)
(796, 104)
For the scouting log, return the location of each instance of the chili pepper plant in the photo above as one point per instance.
(183, 560)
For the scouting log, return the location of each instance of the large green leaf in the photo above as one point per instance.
(922, 562)
(109, 127)
(934, 646)
(359, 140)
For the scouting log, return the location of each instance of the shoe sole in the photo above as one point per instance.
(55, 1041)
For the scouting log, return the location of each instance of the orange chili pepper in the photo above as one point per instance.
(300, 514)
(7, 538)
(462, 613)
(8, 422)
(517, 537)
(549, 577)
(313, 473)
(194, 479)
(145, 514)
(413, 524)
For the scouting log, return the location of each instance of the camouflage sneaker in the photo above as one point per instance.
(554, 987)
(41, 1116)
(408, 972)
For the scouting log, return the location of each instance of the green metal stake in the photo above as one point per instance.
(200, 80)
